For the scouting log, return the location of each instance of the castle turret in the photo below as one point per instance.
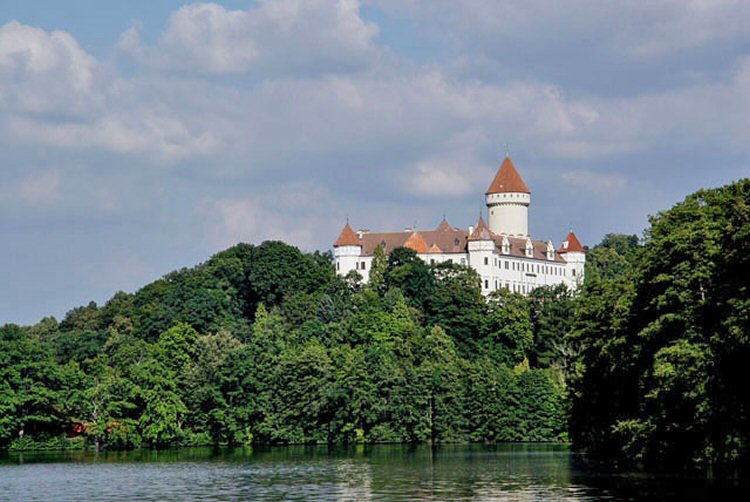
(575, 258)
(481, 247)
(508, 199)
(347, 251)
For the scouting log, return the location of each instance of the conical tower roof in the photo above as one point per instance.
(571, 245)
(347, 237)
(507, 179)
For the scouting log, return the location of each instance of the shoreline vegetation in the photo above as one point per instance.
(62, 444)
(266, 345)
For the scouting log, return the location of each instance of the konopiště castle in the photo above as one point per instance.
(503, 253)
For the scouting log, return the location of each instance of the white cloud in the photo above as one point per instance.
(41, 189)
(232, 220)
(52, 93)
(272, 38)
(637, 29)
(44, 72)
(437, 179)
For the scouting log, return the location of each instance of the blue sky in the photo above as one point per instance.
(139, 137)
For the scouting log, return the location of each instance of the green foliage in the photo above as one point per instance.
(611, 258)
(552, 316)
(265, 344)
(456, 304)
(410, 274)
(664, 343)
(508, 334)
(378, 268)
(30, 387)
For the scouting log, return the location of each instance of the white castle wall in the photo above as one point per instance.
(520, 275)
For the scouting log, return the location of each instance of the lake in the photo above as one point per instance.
(452, 472)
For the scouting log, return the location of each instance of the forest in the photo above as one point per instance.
(265, 344)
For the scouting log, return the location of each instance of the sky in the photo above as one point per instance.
(141, 137)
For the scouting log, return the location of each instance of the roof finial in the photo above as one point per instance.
(507, 150)
(347, 219)
(444, 219)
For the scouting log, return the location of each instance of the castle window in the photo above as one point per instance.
(486, 284)
(363, 265)
(338, 266)
(463, 261)
(457, 242)
(432, 261)
(486, 261)
(574, 272)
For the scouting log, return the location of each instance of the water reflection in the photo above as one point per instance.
(505, 472)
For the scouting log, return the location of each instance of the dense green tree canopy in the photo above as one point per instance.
(665, 343)
(267, 344)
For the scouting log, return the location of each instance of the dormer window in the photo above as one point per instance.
(529, 248)
(505, 246)
(550, 251)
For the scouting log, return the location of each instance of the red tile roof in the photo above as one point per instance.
(447, 241)
(416, 242)
(347, 237)
(507, 179)
(444, 226)
(481, 232)
(571, 245)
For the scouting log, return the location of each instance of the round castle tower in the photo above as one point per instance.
(508, 199)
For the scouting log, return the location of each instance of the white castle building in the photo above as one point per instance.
(503, 253)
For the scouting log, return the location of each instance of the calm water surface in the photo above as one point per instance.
(507, 472)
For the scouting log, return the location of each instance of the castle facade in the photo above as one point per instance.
(500, 250)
